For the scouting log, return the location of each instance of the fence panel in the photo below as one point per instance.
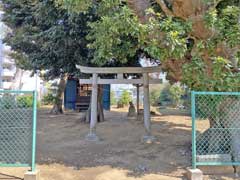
(17, 128)
(215, 128)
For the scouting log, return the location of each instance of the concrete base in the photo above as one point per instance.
(32, 175)
(194, 174)
(92, 137)
(148, 139)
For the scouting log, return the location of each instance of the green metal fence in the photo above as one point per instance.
(215, 128)
(18, 115)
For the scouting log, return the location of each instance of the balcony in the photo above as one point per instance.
(7, 63)
(7, 73)
(7, 85)
(6, 50)
(8, 60)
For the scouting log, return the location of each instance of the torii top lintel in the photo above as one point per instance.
(118, 70)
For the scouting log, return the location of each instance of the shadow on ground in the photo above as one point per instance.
(61, 140)
(9, 177)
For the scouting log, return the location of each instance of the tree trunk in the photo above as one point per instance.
(100, 104)
(139, 7)
(17, 84)
(230, 109)
(87, 118)
(58, 103)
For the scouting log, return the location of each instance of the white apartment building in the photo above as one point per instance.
(8, 68)
(11, 77)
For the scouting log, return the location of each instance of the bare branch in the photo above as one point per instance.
(164, 8)
(139, 7)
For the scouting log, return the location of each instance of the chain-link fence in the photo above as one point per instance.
(17, 128)
(215, 128)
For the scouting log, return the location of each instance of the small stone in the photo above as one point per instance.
(148, 139)
(131, 110)
(32, 175)
(194, 174)
(141, 169)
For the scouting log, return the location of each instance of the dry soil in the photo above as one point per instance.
(63, 153)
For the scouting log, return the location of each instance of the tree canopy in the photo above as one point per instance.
(44, 37)
(197, 41)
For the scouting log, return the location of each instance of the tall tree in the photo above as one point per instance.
(197, 41)
(45, 37)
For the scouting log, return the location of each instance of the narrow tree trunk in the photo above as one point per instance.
(58, 103)
(17, 84)
(99, 106)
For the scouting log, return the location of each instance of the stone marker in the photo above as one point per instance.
(32, 175)
(131, 110)
(194, 174)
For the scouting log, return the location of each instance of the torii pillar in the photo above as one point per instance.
(148, 138)
(94, 101)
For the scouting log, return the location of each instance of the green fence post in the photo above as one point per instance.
(34, 131)
(193, 112)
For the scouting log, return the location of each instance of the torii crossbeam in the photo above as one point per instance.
(120, 71)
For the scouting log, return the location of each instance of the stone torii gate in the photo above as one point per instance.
(120, 71)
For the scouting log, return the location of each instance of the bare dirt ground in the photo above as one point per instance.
(63, 153)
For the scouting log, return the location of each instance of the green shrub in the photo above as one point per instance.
(113, 98)
(119, 104)
(155, 97)
(12, 101)
(7, 101)
(48, 99)
(25, 101)
(187, 100)
(125, 98)
(165, 97)
(176, 92)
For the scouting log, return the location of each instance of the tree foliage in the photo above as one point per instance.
(46, 37)
(113, 99)
(125, 98)
(155, 97)
(176, 92)
(197, 41)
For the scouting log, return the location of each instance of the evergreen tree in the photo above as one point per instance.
(45, 37)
